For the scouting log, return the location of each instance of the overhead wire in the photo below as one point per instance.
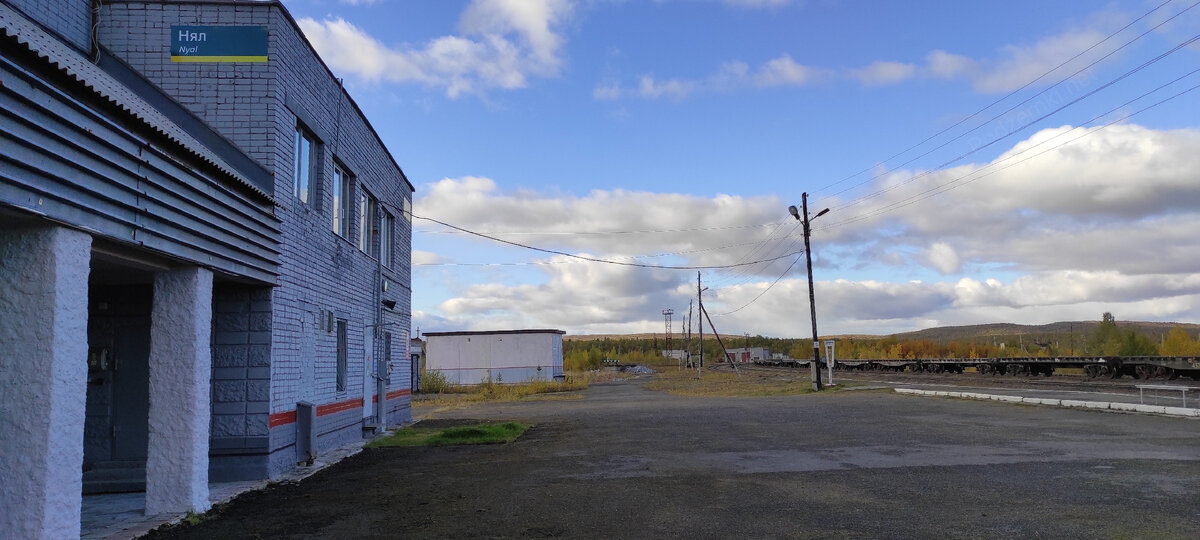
(743, 267)
(764, 291)
(597, 233)
(618, 257)
(965, 179)
(594, 259)
(1024, 126)
(1010, 94)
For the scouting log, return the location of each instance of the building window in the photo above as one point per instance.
(366, 223)
(341, 355)
(385, 238)
(302, 165)
(341, 203)
(387, 352)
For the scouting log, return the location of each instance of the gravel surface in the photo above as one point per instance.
(626, 462)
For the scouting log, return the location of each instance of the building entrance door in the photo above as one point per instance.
(131, 393)
(368, 370)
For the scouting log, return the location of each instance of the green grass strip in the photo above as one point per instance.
(477, 434)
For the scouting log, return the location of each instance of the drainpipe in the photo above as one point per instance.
(380, 366)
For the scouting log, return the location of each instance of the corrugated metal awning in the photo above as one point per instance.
(78, 68)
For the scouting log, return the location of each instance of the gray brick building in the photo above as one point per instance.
(225, 227)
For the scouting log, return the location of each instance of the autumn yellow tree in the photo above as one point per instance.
(1179, 343)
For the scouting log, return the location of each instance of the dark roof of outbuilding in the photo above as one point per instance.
(495, 332)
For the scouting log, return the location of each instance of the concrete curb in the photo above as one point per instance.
(1068, 403)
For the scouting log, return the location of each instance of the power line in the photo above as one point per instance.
(1010, 94)
(594, 259)
(627, 257)
(965, 179)
(1022, 127)
(760, 295)
(599, 233)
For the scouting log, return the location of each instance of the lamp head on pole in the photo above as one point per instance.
(794, 211)
(821, 213)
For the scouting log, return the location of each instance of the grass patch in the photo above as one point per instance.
(477, 434)
(727, 384)
(459, 396)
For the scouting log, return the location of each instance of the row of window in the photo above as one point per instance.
(373, 219)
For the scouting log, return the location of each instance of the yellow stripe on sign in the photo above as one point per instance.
(218, 58)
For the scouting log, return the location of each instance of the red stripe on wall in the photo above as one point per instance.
(289, 417)
(330, 408)
(282, 419)
(392, 395)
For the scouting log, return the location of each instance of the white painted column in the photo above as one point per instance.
(43, 380)
(180, 373)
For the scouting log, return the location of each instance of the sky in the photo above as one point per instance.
(982, 162)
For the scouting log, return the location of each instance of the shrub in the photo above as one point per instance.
(434, 382)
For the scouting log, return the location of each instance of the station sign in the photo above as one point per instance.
(218, 44)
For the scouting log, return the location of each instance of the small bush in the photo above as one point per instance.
(435, 382)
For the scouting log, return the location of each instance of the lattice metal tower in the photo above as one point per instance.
(667, 317)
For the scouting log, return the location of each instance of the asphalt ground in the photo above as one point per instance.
(625, 462)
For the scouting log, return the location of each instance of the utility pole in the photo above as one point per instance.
(812, 302)
(700, 300)
(687, 343)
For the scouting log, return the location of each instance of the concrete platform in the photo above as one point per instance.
(1059, 398)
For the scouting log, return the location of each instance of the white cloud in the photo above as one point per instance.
(943, 65)
(1012, 67)
(784, 71)
(943, 258)
(426, 257)
(504, 44)
(1104, 224)
(881, 73)
(606, 222)
(754, 4)
(730, 76)
(607, 92)
(650, 88)
(1020, 64)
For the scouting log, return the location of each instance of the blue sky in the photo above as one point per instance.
(622, 130)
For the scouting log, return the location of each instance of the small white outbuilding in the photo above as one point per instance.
(502, 356)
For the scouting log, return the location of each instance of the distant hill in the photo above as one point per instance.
(960, 333)
(978, 331)
(675, 336)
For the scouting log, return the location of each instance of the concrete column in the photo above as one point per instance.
(180, 369)
(43, 380)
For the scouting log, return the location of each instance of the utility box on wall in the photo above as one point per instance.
(503, 356)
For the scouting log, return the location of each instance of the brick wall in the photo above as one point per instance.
(70, 19)
(257, 106)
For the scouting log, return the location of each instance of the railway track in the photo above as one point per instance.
(967, 378)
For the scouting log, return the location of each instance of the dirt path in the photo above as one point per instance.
(626, 462)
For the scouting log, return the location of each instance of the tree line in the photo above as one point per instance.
(1108, 339)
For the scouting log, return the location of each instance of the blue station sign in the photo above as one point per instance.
(218, 44)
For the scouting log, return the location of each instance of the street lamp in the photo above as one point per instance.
(812, 303)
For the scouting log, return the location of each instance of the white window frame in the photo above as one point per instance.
(341, 202)
(303, 164)
(343, 354)
(387, 226)
(367, 217)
